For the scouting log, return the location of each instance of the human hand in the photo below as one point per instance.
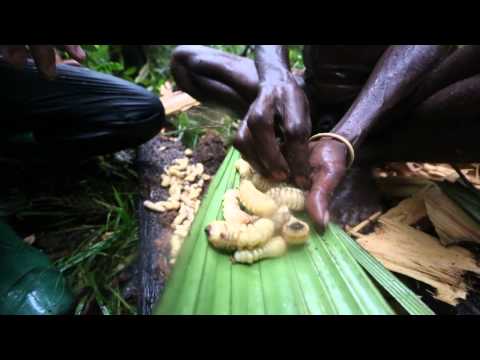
(280, 102)
(328, 160)
(43, 55)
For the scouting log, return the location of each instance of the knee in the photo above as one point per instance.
(186, 60)
(185, 55)
(137, 114)
(153, 116)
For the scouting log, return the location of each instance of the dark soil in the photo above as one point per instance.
(153, 265)
(210, 152)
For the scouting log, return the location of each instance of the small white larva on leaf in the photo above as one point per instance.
(255, 201)
(286, 195)
(274, 248)
(223, 235)
(280, 217)
(232, 213)
(295, 231)
(262, 183)
(244, 169)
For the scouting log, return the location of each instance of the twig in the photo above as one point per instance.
(359, 227)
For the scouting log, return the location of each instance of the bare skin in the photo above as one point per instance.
(43, 55)
(386, 91)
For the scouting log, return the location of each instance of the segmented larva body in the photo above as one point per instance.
(295, 232)
(232, 213)
(274, 248)
(255, 201)
(262, 183)
(281, 217)
(223, 235)
(286, 195)
(244, 169)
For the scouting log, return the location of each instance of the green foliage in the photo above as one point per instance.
(93, 267)
(99, 59)
(296, 56)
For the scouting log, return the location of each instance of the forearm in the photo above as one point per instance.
(400, 70)
(272, 63)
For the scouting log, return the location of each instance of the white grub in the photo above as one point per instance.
(172, 205)
(154, 206)
(166, 180)
(181, 163)
(185, 183)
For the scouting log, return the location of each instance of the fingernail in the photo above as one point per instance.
(279, 176)
(326, 218)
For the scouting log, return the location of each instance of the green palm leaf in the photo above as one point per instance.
(322, 277)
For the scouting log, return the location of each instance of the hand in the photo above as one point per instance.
(43, 55)
(284, 102)
(328, 160)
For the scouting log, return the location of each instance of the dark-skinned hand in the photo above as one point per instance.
(43, 55)
(328, 160)
(281, 103)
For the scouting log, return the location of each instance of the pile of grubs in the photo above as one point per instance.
(258, 220)
(184, 181)
(258, 223)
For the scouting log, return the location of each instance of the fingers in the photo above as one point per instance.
(297, 129)
(15, 55)
(70, 62)
(328, 162)
(76, 52)
(260, 121)
(244, 143)
(44, 56)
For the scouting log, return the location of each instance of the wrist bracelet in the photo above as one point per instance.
(351, 151)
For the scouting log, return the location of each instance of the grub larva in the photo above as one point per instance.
(274, 248)
(295, 231)
(154, 206)
(226, 236)
(262, 183)
(255, 201)
(281, 217)
(166, 180)
(286, 195)
(181, 164)
(244, 169)
(232, 213)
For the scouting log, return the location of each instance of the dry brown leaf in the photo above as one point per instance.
(452, 224)
(405, 250)
(177, 101)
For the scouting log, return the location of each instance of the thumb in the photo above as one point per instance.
(325, 178)
(317, 207)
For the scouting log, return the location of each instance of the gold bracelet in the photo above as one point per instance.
(347, 143)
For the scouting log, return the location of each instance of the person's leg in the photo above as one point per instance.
(215, 77)
(81, 113)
